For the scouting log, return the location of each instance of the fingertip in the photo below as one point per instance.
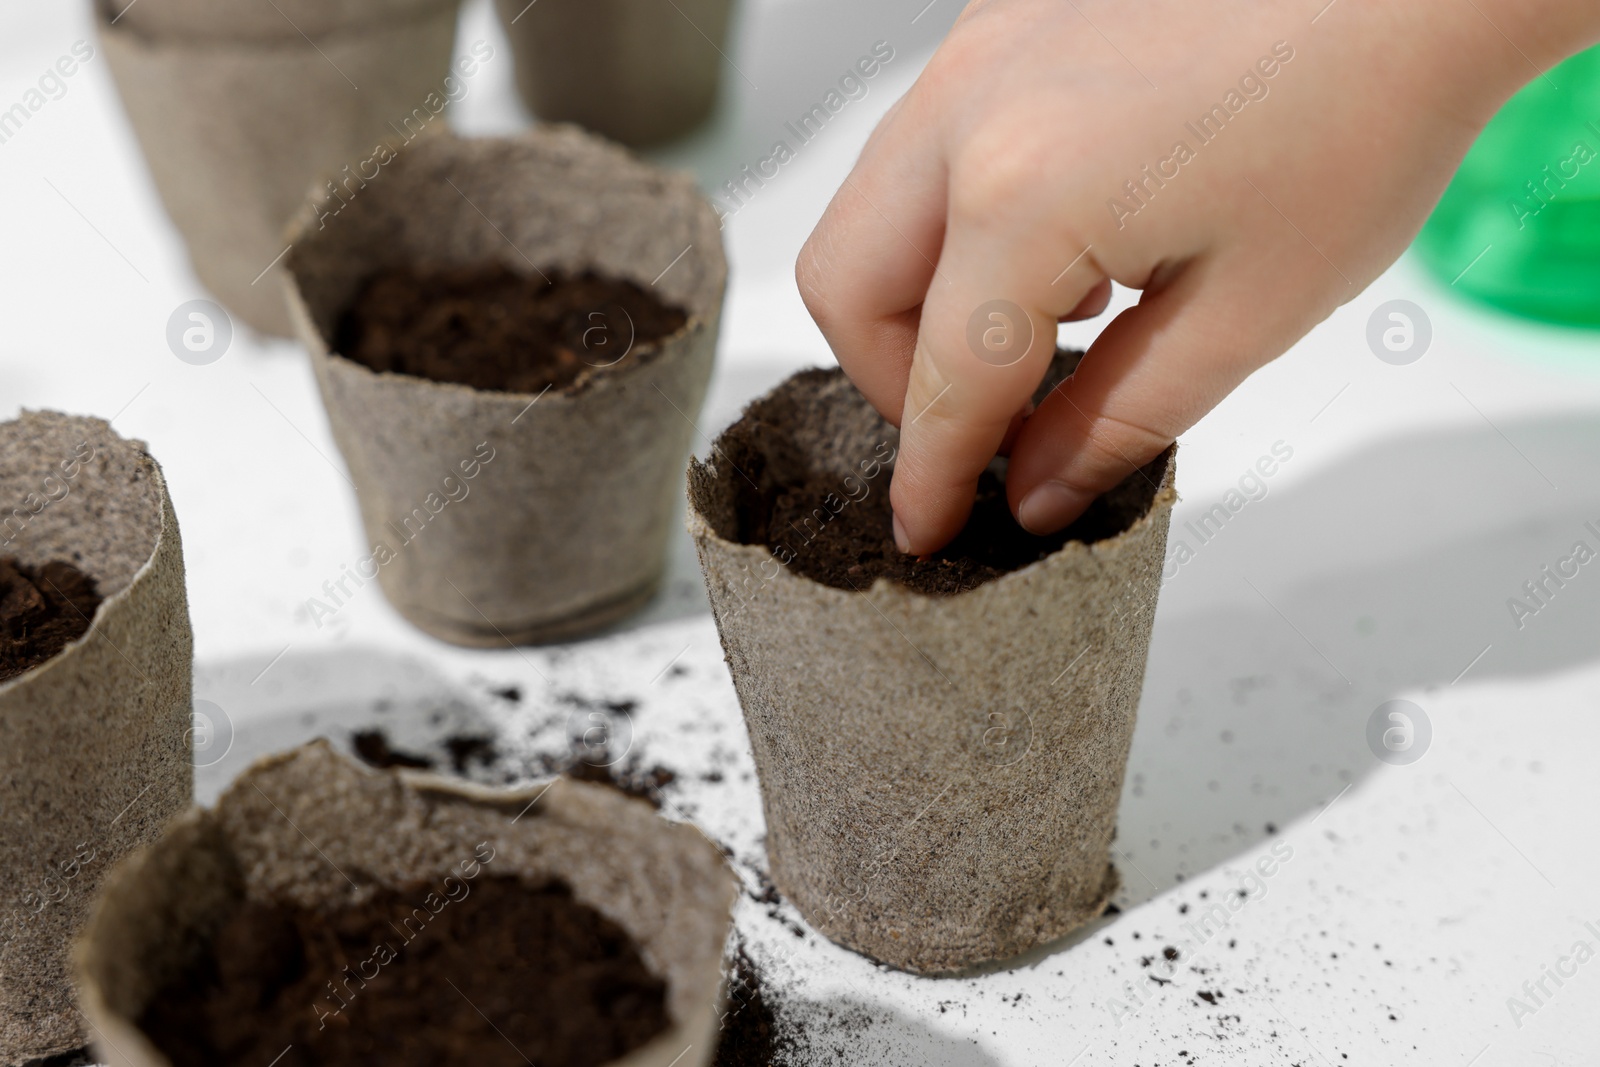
(913, 539)
(925, 518)
(1050, 506)
(901, 541)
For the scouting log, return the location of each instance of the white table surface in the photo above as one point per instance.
(1418, 499)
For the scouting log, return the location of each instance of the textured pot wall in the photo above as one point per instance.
(940, 775)
(638, 71)
(236, 131)
(565, 528)
(240, 20)
(664, 883)
(94, 744)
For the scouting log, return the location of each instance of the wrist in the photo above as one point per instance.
(1508, 43)
(1547, 30)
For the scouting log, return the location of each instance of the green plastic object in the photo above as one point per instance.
(1519, 226)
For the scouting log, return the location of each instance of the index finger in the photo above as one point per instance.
(984, 343)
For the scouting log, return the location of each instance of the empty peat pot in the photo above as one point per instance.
(95, 665)
(940, 765)
(337, 914)
(638, 71)
(530, 515)
(241, 106)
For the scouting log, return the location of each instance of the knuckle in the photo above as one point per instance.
(951, 68)
(811, 276)
(949, 432)
(939, 416)
(996, 174)
(928, 392)
(981, 41)
(1109, 450)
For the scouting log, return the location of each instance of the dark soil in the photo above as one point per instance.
(772, 900)
(629, 776)
(78, 1057)
(750, 1035)
(507, 975)
(374, 749)
(856, 544)
(810, 519)
(492, 328)
(42, 611)
(467, 749)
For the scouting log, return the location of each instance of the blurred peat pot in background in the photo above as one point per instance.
(495, 515)
(240, 106)
(638, 71)
(940, 771)
(94, 740)
(436, 845)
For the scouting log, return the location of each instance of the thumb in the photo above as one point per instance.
(1150, 375)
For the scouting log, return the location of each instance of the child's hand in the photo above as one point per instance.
(1276, 166)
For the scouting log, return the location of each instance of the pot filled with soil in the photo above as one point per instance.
(639, 71)
(941, 741)
(329, 914)
(513, 337)
(95, 667)
(241, 106)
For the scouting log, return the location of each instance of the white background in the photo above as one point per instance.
(1417, 501)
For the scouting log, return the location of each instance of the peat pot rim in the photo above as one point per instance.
(702, 306)
(708, 473)
(433, 783)
(105, 24)
(140, 576)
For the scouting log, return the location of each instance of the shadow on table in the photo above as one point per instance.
(1386, 574)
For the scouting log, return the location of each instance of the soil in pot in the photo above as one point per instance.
(42, 610)
(831, 533)
(507, 975)
(491, 328)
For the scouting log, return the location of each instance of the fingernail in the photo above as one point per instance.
(901, 541)
(1049, 507)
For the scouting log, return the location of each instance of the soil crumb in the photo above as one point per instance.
(468, 749)
(838, 529)
(42, 610)
(491, 328)
(375, 750)
(586, 763)
(465, 752)
(507, 975)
